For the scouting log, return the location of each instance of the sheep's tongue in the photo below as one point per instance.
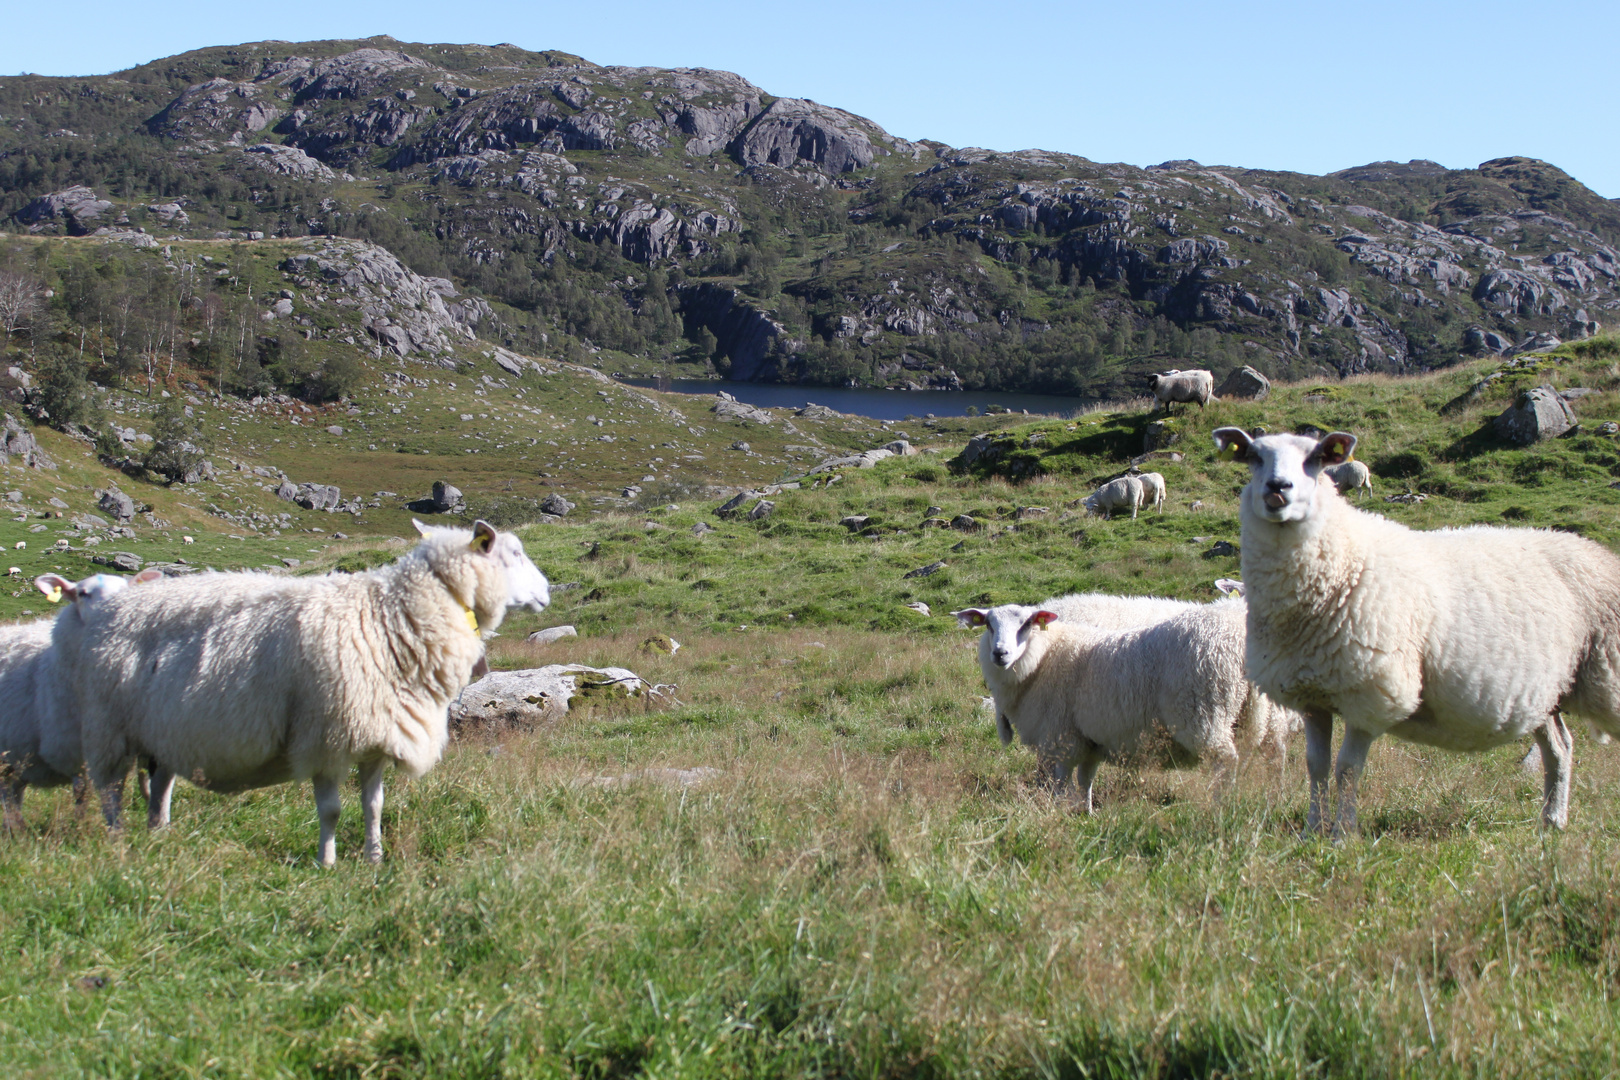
(1276, 500)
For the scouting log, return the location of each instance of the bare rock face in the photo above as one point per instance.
(217, 108)
(1245, 382)
(531, 698)
(116, 503)
(1517, 292)
(1538, 414)
(75, 207)
(792, 132)
(402, 310)
(15, 442)
(289, 161)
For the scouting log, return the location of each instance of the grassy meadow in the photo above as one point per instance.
(868, 883)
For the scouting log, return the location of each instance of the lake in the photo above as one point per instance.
(878, 404)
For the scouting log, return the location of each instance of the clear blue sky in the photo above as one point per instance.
(1310, 86)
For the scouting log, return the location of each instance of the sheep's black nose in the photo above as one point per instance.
(1279, 485)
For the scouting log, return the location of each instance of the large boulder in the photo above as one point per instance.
(77, 207)
(116, 503)
(1537, 414)
(536, 696)
(318, 497)
(556, 504)
(1245, 382)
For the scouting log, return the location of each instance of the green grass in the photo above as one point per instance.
(872, 885)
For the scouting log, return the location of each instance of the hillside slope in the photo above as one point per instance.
(686, 220)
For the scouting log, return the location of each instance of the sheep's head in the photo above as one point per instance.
(86, 594)
(1006, 629)
(488, 568)
(1283, 470)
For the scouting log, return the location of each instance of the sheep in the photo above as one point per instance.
(1229, 586)
(1080, 694)
(239, 681)
(1117, 612)
(1116, 495)
(1152, 490)
(1463, 638)
(39, 744)
(1187, 386)
(1351, 476)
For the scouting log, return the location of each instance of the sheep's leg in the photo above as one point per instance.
(328, 804)
(159, 788)
(143, 777)
(1086, 775)
(111, 791)
(1556, 751)
(371, 800)
(1225, 770)
(81, 794)
(11, 794)
(1318, 756)
(1347, 777)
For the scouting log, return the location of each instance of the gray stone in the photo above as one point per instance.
(739, 445)
(986, 448)
(1026, 513)
(1541, 413)
(116, 503)
(854, 522)
(761, 509)
(920, 608)
(1221, 548)
(1609, 427)
(736, 410)
(556, 504)
(733, 505)
(335, 429)
(702, 528)
(901, 448)
(447, 497)
(1245, 382)
(288, 161)
(924, 571)
(1158, 435)
(529, 698)
(965, 523)
(318, 497)
(550, 634)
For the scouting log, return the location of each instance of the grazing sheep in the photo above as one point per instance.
(1462, 639)
(1081, 694)
(1117, 612)
(1127, 491)
(1152, 490)
(39, 744)
(239, 681)
(1350, 476)
(1187, 386)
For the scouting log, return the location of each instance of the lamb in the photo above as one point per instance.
(1152, 490)
(1351, 476)
(1463, 638)
(1080, 694)
(239, 681)
(1187, 386)
(1127, 491)
(39, 744)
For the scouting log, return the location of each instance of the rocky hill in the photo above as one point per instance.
(688, 220)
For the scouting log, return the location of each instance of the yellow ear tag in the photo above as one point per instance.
(472, 620)
(1228, 452)
(55, 595)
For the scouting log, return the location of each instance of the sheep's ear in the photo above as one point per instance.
(152, 574)
(425, 530)
(1234, 444)
(55, 586)
(970, 617)
(1041, 618)
(1229, 586)
(1335, 449)
(483, 540)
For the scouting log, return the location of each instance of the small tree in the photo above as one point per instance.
(179, 445)
(64, 387)
(19, 299)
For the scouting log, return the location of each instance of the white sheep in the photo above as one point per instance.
(1350, 476)
(1152, 490)
(239, 681)
(39, 743)
(1080, 694)
(1462, 638)
(1195, 385)
(1127, 491)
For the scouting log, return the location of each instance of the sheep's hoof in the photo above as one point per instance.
(374, 857)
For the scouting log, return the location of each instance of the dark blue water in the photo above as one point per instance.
(878, 404)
